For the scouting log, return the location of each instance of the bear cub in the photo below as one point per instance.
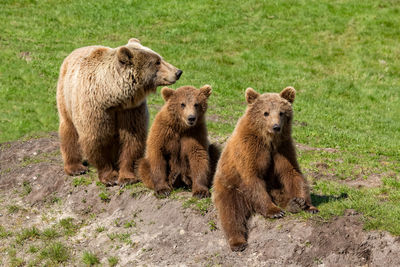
(177, 149)
(258, 169)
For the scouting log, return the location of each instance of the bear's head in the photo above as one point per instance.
(186, 104)
(144, 67)
(270, 113)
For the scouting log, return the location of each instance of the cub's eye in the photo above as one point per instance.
(196, 105)
(281, 113)
(266, 114)
(183, 105)
(158, 62)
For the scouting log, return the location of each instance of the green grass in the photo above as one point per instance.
(342, 57)
(90, 259)
(112, 261)
(55, 252)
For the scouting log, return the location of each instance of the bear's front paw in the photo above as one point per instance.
(274, 212)
(76, 169)
(125, 178)
(109, 178)
(312, 209)
(163, 191)
(202, 193)
(297, 204)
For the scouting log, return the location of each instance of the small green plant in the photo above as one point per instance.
(212, 225)
(130, 224)
(104, 196)
(78, 181)
(100, 229)
(27, 234)
(26, 188)
(68, 225)
(201, 205)
(112, 261)
(55, 252)
(33, 249)
(4, 233)
(13, 209)
(50, 233)
(89, 258)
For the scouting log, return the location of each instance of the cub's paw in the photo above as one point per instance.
(163, 191)
(275, 213)
(237, 244)
(125, 178)
(297, 204)
(312, 209)
(109, 178)
(202, 193)
(76, 169)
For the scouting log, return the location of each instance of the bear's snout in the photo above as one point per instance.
(276, 127)
(178, 74)
(191, 119)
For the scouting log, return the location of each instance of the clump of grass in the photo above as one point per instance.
(79, 181)
(27, 234)
(212, 225)
(33, 249)
(100, 229)
(26, 188)
(90, 258)
(50, 233)
(4, 233)
(55, 252)
(138, 189)
(68, 225)
(130, 224)
(13, 209)
(104, 196)
(201, 205)
(122, 237)
(112, 261)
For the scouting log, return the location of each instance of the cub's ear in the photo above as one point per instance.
(206, 90)
(133, 40)
(167, 93)
(251, 95)
(289, 93)
(124, 55)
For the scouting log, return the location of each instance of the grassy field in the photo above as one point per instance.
(342, 57)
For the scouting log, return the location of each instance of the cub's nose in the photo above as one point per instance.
(276, 127)
(191, 118)
(178, 74)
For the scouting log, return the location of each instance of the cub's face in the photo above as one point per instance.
(148, 67)
(187, 104)
(270, 112)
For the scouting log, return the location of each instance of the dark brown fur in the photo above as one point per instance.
(178, 149)
(258, 168)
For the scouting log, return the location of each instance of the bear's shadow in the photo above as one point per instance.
(317, 200)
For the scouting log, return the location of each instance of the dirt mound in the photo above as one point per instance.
(137, 228)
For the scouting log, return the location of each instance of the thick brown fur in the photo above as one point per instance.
(258, 168)
(101, 100)
(177, 148)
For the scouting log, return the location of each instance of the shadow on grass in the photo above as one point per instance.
(320, 199)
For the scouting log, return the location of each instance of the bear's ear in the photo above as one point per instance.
(251, 95)
(124, 55)
(133, 40)
(206, 90)
(289, 93)
(167, 93)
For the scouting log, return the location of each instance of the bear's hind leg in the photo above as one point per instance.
(70, 149)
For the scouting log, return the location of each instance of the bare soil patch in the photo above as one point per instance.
(140, 229)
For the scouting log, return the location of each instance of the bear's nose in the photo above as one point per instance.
(276, 127)
(191, 118)
(178, 74)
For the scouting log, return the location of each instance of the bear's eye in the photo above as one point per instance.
(183, 105)
(280, 113)
(158, 62)
(266, 114)
(196, 105)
